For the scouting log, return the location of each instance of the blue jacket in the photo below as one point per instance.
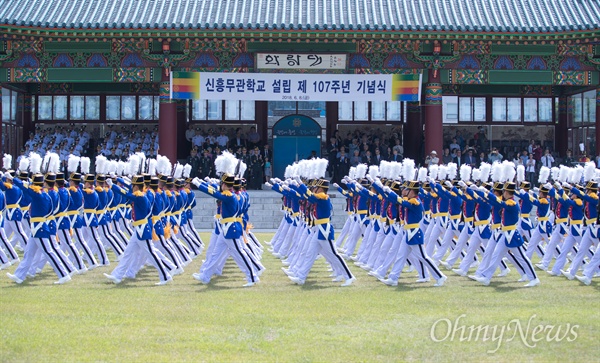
(141, 212)
(230, 207)
(41, 208)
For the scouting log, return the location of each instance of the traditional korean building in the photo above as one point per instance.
(512, 70)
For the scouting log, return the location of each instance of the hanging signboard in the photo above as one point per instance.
(295, 87)
(300, 61)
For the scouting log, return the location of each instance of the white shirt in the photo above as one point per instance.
(547, 160)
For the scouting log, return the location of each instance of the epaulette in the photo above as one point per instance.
(322, 196)
(99, 189)
(227, 193)
(73, 189)
(169, 194)
(36, 188)
(433, 195)
(413, 201)
(8, 185)
(88, 190)
(593, 195)
(543, 201)
(138, 193)
(511, 203)
(579, 202)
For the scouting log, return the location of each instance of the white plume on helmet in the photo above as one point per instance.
(73, 163)
(35, 163)
(7, 161)
(544, 174)
(84, 164)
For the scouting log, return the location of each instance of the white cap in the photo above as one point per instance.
(434, 152)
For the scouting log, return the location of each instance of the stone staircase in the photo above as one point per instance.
(265, 210)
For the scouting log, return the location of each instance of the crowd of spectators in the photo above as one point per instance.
(476, 151)
(361, 147)
(248, 147)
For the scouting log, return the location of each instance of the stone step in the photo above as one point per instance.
(265, 210)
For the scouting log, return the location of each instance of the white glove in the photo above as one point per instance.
(207, 179)
(126, 179)
(277, 180)
(448, 183)
(378, 182)
(298, 180)
(462, 184)
(536, 190)
(522, 191)
(112, 174)
(336, 185)
(285, 187)
(566, 185)
(268, 184)
(370, 178)
(196, 181)
(482, 189)
(387, 189)
(548, 186)
(345, 181)
(8, 176)
(109, 182)
(294, 183)
(557, 185)
(473, 187)
(359, 187)
(431, 180)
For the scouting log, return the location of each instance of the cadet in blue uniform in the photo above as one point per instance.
(511, 236)
(543, 229)
(576, 229)
(64, 226)
(12, 257)
(141, 241)
(413, 214)
(322, 240)
(230, 232)
(74, 208)
(14, 215)
(41, 208)
(590, 236)
(90, 221)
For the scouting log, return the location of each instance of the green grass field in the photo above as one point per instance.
(90, 319)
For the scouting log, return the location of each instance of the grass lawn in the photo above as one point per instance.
(90, 319)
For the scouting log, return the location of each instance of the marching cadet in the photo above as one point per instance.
(526, 205)
(103, 216)
(322, 239)
(64, 226)
(543, 230)
(481, 231)
(90, 220)
(468, 211)
(41, 208)
(413, 242)
(575, 231)
(561, 226)
(511, 238)
(454, 215)
(5, 261)
(361, 209)
(349, 223)
(164, 191)
(230, 230)
(76, 202)
(40, 260)
(140, 242)
(158, 233)
(590, 235)
(13, 257)
(14, 215)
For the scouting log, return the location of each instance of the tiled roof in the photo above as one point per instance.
(523, 16)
